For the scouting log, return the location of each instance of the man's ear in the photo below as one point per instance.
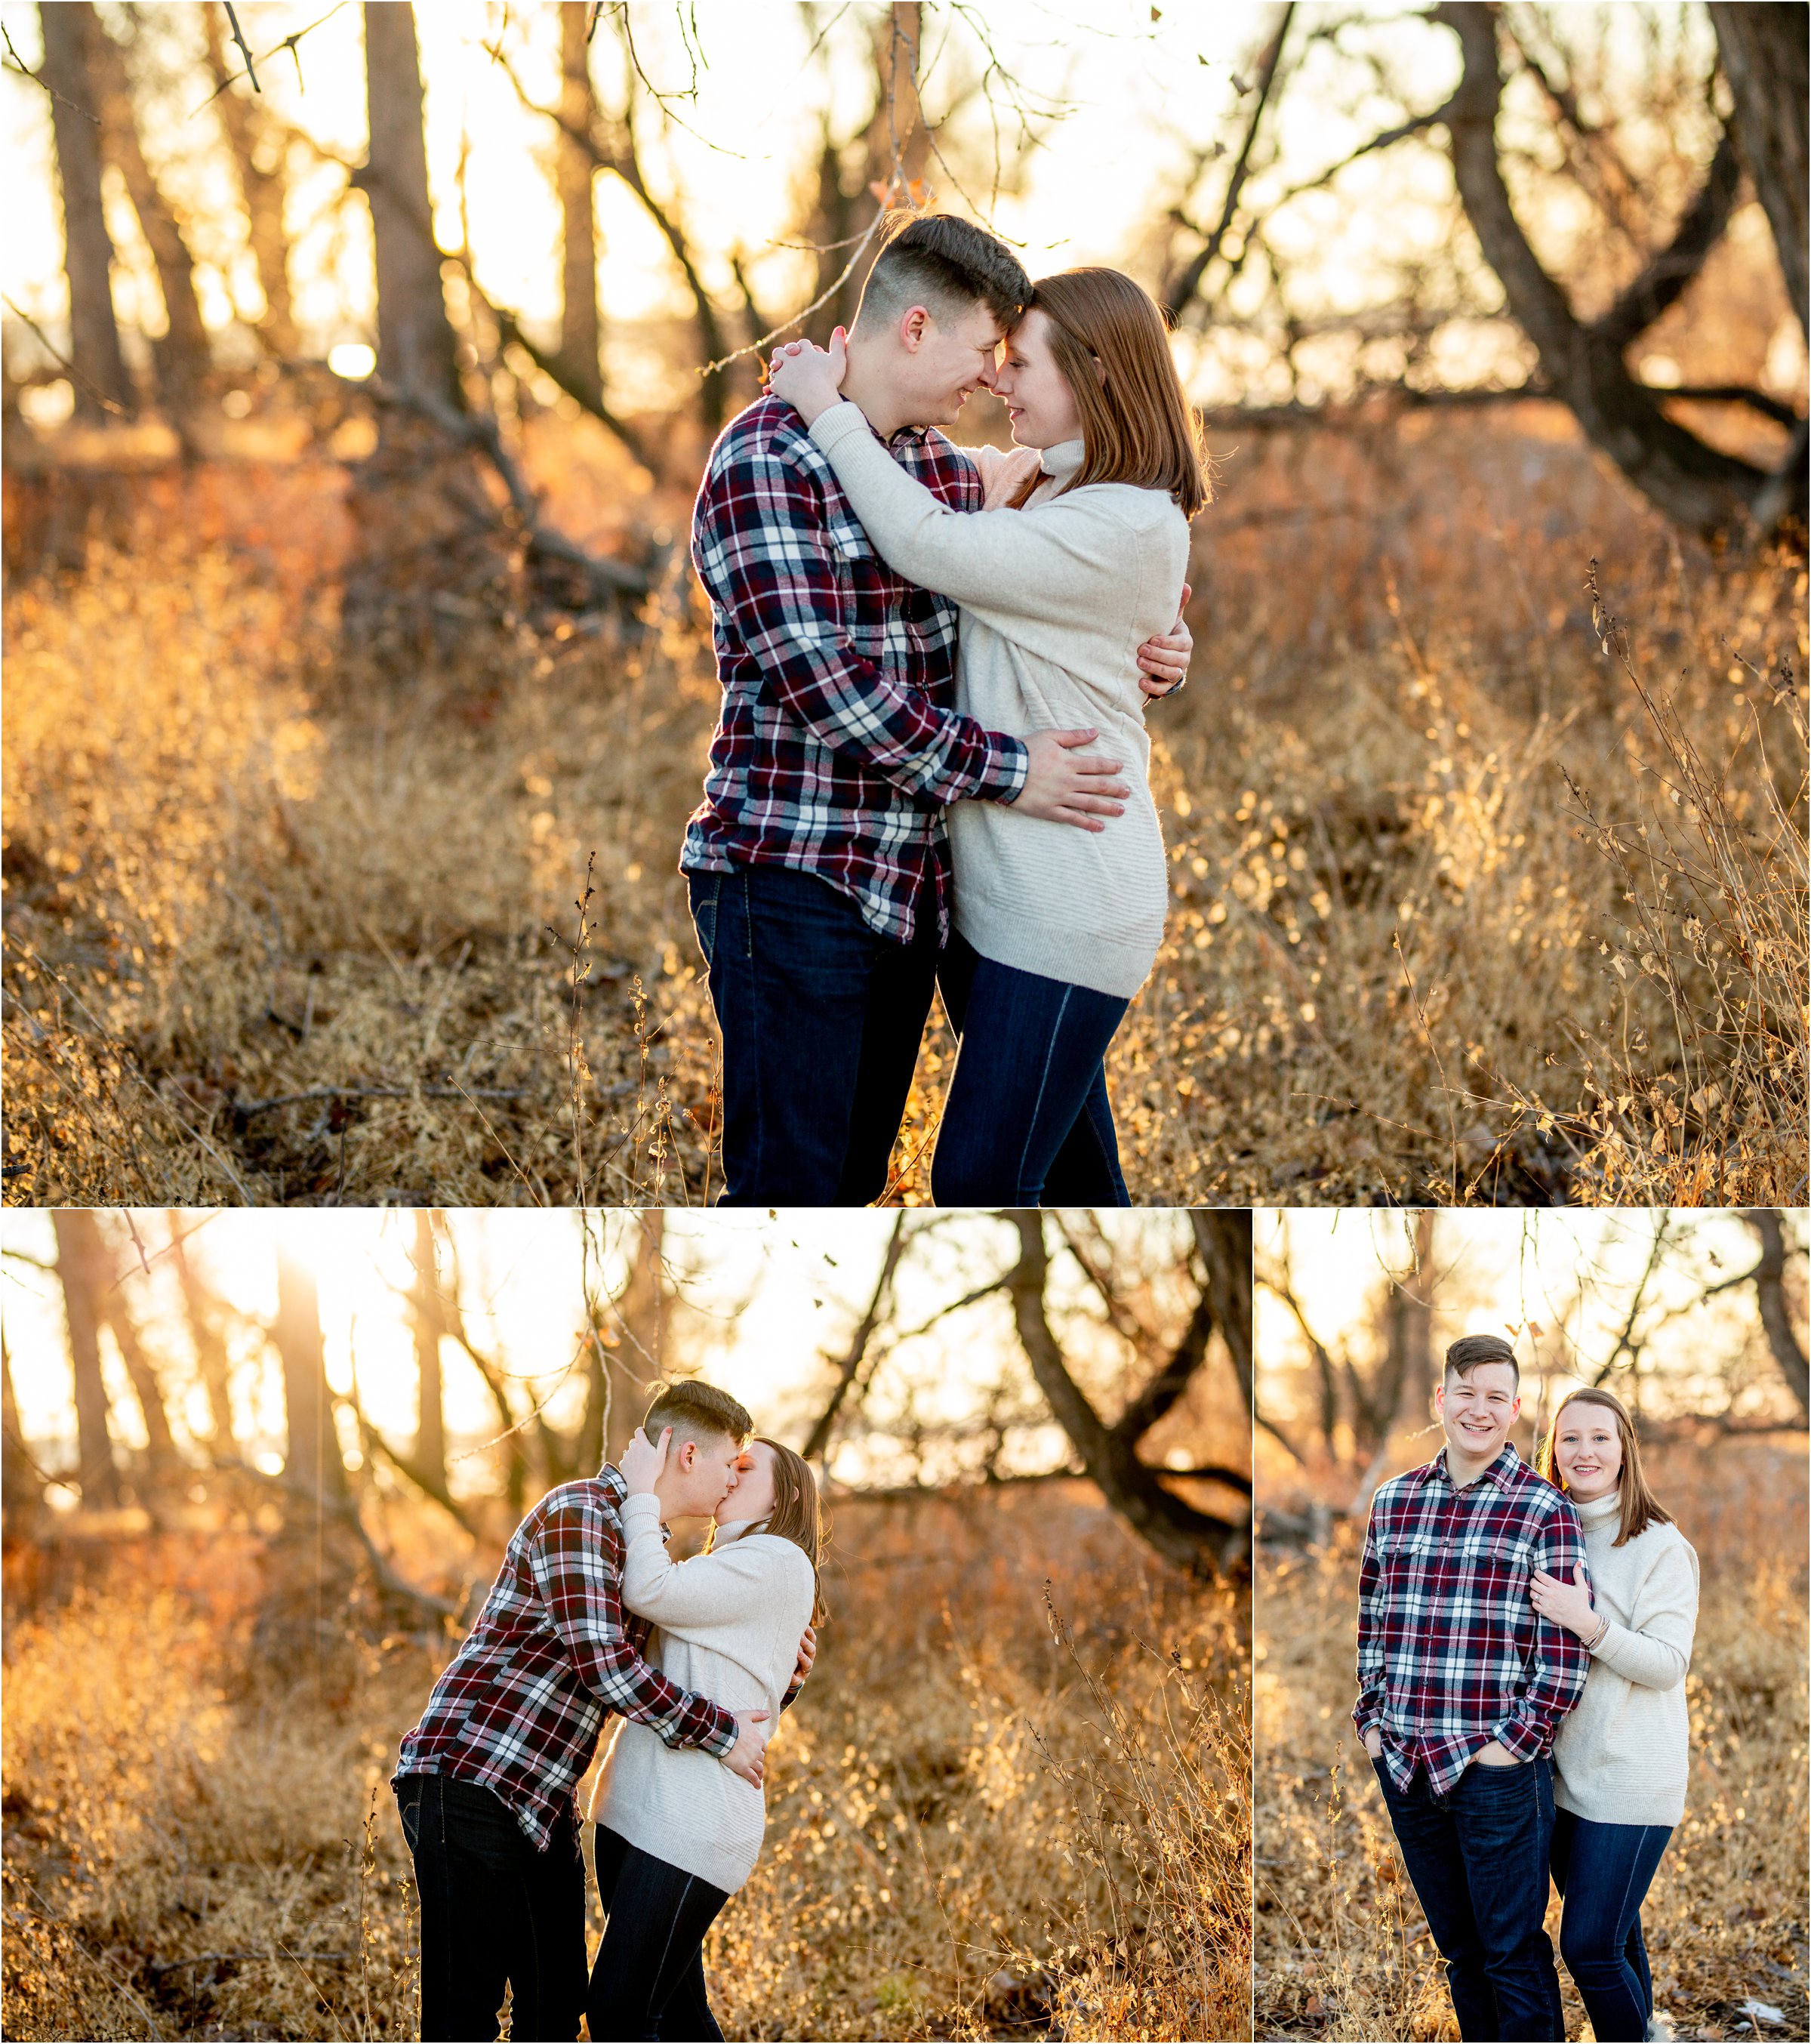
(686, 1456)
(914, 325)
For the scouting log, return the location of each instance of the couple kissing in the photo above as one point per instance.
(590, 1620)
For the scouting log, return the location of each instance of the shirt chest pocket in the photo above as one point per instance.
(1489, 1556)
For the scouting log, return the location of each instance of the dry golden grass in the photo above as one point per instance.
(1343, 1950)
(976, 1828)
(1405, 958)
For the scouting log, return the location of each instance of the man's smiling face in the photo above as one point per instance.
(1476, 1411)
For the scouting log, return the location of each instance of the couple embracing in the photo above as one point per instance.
(1523, 1640)
(931, 771)
(591, 1624)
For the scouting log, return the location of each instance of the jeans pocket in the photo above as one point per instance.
(706, 898)
(411, 1814)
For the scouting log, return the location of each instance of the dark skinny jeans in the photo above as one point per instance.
(1027, 1122)
(1604, 1872)
(649, 1977)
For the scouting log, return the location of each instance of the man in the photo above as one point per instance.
(1462, 1686)
(485, 1782)
(817, 861)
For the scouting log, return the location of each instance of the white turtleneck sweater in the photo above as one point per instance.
(729, 1626)
(1621, 1756)
(1057, 599)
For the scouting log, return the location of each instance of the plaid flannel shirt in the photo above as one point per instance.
(839, 744)
(519, 1707)
(1450, 1652)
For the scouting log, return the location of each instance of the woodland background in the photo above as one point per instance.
(259, 1470)
(1697, 1322)
(354, 717)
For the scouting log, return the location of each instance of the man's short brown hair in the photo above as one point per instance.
(696, 1411)
(1470, 1351)
(946, 265)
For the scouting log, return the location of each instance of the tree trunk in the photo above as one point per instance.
(1762, 46)
(21, 1494)
(581, 341)
(1411, 1323)
(415, 348)
(1223, 1235)
(253, 145)
(1770, 1291)
(71, 36)
(183, 356)
(81, 1268)
(1692, 483)
(313, 1466)
(428, 1319)
(636, 1361)
(160, 1445)
(202, 1310)
(1193, 1540)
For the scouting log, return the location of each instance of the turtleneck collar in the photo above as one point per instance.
(1062, 462)
(1599, 1509)
(736, 1529)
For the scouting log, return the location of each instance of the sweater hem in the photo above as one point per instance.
(692, 1856)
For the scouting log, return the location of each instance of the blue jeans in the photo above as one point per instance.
(649, 1977)
(1478, 1858)
(493, 1910)
(1027, 1122)
(821, 1019)
(1603, 1871)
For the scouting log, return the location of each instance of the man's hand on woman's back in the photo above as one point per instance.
(1063, 787)
(747, 1756)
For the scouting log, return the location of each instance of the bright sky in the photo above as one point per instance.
(1499, 1270)
(769, 1300)
(1139, 93)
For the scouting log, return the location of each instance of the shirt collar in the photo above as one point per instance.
(1501, 1472)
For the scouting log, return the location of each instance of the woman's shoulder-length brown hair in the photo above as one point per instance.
(1110, 341)
(1640, 1509)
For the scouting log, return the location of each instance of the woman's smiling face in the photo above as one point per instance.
(1588, 1450)
(1034, 391)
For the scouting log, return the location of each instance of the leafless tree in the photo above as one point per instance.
(71, 48)
(82, 1270)
(313, 1467)
(258, 148)
(417, 351)
(183, 355)
(581, 341)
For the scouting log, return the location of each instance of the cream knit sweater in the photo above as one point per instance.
(1057, 599)
(729, 1624)
(1621, 1757)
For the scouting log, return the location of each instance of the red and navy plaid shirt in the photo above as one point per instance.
(1450, 1652)
(519, 1708)
(839, 744)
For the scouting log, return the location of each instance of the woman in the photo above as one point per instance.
(729, 1623)
(1619, 1760)
(1060, 578)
